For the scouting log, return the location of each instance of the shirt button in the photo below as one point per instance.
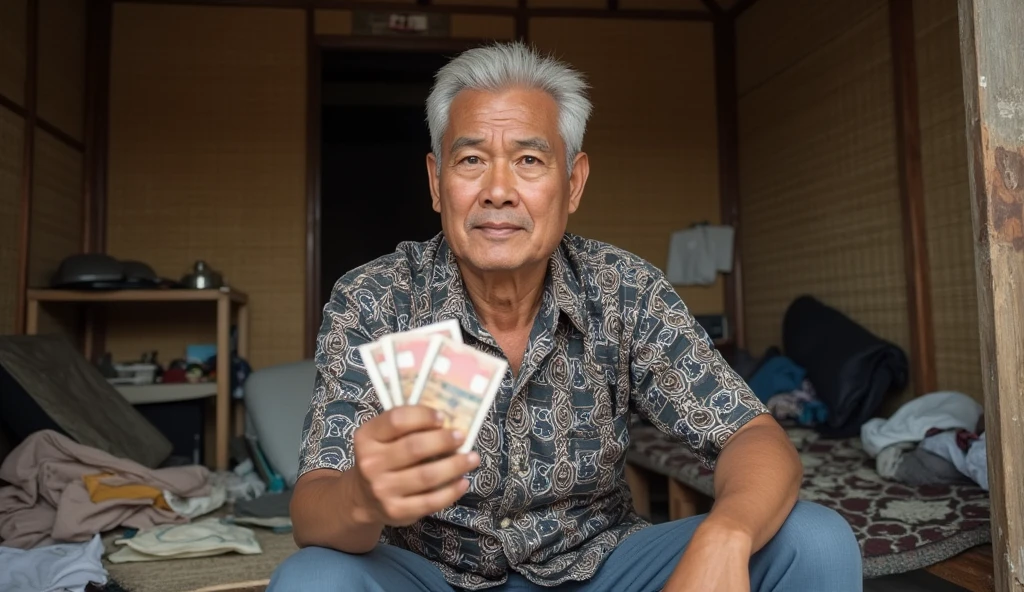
(505, 522)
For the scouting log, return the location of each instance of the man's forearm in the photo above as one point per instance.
(757, 480)
(327, 512)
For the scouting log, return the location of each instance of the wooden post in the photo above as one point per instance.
(908, 151)
(683, 501)
(992, 56)
(223, 380)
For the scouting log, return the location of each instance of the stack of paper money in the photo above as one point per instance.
(432, 366)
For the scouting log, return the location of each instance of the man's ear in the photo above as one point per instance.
(435, 182)
(577, 179)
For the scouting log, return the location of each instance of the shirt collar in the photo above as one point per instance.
(448, 298)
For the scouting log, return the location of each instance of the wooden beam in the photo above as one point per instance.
(740, 7)
(97, 91)
(992, 59)
(727, 109)
(28, 160)
(59, 134)
(712, 6)
(640, 14)
(313, 106)
(911, 182)
(522, 21)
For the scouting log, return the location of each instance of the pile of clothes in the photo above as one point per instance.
(782, 385)
(62, 495)
(938, 438)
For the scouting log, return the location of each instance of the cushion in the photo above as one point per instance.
(276, 400)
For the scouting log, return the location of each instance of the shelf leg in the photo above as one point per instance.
(223, 380)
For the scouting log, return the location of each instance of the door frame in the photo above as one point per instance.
(316, 45)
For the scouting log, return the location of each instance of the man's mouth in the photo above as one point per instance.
(498, 230)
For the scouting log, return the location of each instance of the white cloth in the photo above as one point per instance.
(67, 566)
(192, 507)
(889, 458)
(973, 463)
(178, 541)
(695, 255)
(943, 410)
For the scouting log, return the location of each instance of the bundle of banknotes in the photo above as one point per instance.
(431, 366)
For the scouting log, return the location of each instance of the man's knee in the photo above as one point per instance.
(820, 538)
(318, 570)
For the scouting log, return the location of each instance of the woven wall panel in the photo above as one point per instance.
(333, 22)
(649, 175)
(777, 34)
(819, 189)
(947, 198)
(207, 161)
(12, 147)
(479, 26)
(12, 49)
(56, 223)
(62, 64)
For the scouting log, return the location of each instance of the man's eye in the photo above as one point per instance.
(471, 160)
(531, 160)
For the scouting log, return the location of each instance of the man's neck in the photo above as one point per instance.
(505, 302)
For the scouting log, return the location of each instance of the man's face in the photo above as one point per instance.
(504, 194)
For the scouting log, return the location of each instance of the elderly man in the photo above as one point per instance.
(591, 334)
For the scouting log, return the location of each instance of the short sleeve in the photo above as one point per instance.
(680, 382)
(343, 398)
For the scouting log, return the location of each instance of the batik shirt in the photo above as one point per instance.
(549, 499)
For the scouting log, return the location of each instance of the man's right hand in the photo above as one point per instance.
(407, 466)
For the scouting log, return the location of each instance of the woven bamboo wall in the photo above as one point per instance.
(56, 223)
(207, 161)
(649, 175)
(12, 49)
(12, 129)
(947, 197)
(62, 64)
(818, 177)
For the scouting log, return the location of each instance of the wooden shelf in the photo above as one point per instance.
(159, 295)
(225, 300)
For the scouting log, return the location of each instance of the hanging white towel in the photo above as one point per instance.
(697, 254)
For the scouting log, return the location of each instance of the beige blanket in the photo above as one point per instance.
(47, 501)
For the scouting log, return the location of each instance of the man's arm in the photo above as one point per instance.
(326, 512)
(757, 480)
(685, 388)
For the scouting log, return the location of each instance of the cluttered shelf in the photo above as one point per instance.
(227, 301)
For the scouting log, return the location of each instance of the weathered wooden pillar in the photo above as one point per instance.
(992, 51)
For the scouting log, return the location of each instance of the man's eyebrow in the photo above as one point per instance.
(464, 142)
(535, 144)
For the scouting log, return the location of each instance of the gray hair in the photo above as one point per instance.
(506, 65)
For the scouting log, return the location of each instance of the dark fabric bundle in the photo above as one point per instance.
(851, 369)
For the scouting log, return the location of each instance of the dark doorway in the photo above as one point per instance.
(374, 191)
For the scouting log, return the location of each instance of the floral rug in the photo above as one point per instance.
(899, 528)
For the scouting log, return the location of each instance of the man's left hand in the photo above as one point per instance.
(716, 560)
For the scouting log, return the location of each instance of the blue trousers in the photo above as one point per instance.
(814, 551)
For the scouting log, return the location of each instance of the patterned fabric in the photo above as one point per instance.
(899, 528)
(549, 499)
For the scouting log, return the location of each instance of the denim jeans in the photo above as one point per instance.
(814, 551)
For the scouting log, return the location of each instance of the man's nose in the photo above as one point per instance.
(500, 187)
